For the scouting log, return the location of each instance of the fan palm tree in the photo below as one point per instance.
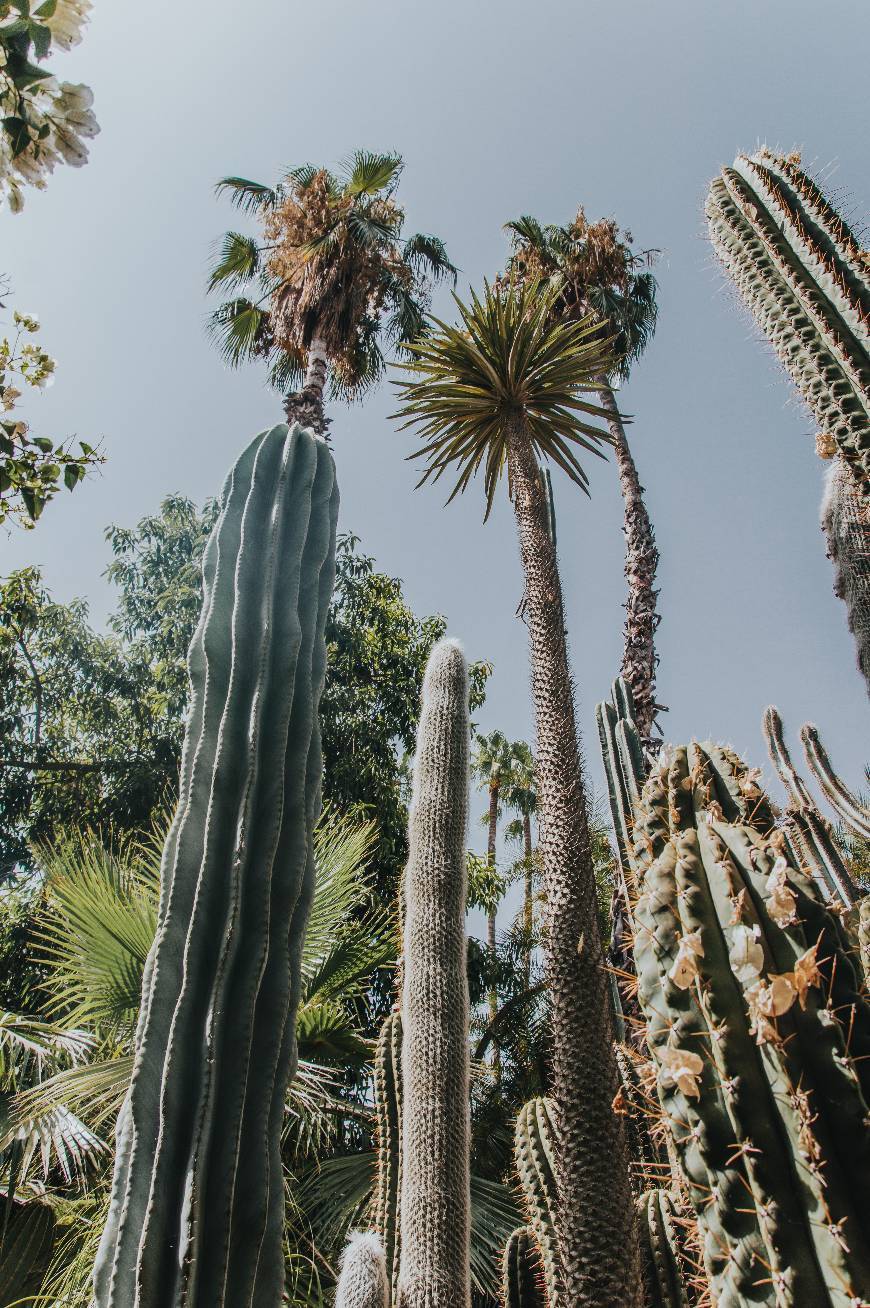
(597, 271)
(329, 281)
(501, 392)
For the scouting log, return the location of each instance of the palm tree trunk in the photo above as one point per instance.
(306, 406)
(528, 901)
(639, 658)
(491, 924)
(597, 1237)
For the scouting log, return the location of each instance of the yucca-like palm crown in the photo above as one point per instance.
(331, 264)
(510, 361)
(595, 268)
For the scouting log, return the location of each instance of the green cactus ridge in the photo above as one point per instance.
(535, 1158)
(362, 1280)
(845, 520)
(760, 1032)
(852, 813)
(625, 769)
(663, 1274)
(802, 273)
(521, 1277)
(649, 1160)
(388, 1108)
(810, 842)
(434, 1269)
(197, 1212)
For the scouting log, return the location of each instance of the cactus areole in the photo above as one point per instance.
(197, 1206)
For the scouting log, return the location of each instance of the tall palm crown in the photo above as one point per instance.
(329, 270)
(509, 360)
(596, 270)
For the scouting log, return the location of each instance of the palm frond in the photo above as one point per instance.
(369, 173)
(237, 261)
(238, 327)
(369, 230)
(527, 230)
(250, 197)
(342, 846)
(30, 1048)
(93, 1091)
(54, 1138)
(301, 178)
(359, 949)
(326, 1034)
(510, 360)
(428, 255)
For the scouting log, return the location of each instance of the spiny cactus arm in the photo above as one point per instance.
(772, 728)
(850, 810)
(535, 1158)
(625, 769)
(234, 897)
(362, 1279)
(845, 521)
(662, 1272)
(641, 1112)
(388, 1106)
(521, 1277)
(435, 1202)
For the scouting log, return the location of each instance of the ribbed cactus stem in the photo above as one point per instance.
(625, 769)
(362, 1279)
(663, 1273)
(851, 812)
(845, 519)
(388, 1109)
(535, 1151)
(639, 1108)
(197, 1208)
(435, 1200)
(521, 1277)
(803, 274)
(808, 833)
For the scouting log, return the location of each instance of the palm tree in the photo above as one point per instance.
(329, 281)
(596, 271)
(501, 392)
(520, 794)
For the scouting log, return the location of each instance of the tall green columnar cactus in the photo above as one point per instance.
(811, 844)
(197, 1207)
(535, 1157)
(640, 1111)
(434, 1269)
(845, 518)
(388, 1107)
(663, 1273)
(362, 1280)
(851, 812)
(806, 279)
(760, 1033)
(521, 1279)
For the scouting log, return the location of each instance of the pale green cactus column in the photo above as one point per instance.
(197, 1207)
(434, 1268)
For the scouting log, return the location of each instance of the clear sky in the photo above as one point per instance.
(499, 109)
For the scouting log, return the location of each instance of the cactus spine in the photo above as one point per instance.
(362, 1280)
(803, 274)
(388, 1107)
(663, 1275)
(435, 1195)
(535, 1151)
(197, 1209)
(521, 1284)
(760, 1036)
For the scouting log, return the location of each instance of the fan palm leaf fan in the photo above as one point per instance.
(329, 281)
(500, 392)
(593, 268)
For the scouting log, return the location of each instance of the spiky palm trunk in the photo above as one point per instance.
(597, 1237)
(491, 921)
(306, 406)
(639, 658)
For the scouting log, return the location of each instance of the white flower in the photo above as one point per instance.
(685, 966)
(782, 904)
(682, 1068)
(746, 955)
(67, 22)
(768, 1001)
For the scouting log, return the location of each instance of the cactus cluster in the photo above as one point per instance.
(535, 1152)
(664, 1281)
(362, 1277)
(803, 274)
(760, 1033)
(197, 1207)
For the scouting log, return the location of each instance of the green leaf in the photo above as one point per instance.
(41, 37)
(72, 475)
(19, 137)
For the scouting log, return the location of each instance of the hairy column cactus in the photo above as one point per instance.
(362, 1280)
(806, 279)
(761, 1035)
(434, 1269)
(388, 1108)
(845, 518)
(811, 844)
(663, 1274)
(535, 1157)
(197, 1207)
(521, 1278)
(851, 812)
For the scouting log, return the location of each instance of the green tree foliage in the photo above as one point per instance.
(42, 122)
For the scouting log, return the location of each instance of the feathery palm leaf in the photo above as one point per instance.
(238, 260)
(247, 195)
(507, 359)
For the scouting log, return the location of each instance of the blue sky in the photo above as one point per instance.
(499, 109)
